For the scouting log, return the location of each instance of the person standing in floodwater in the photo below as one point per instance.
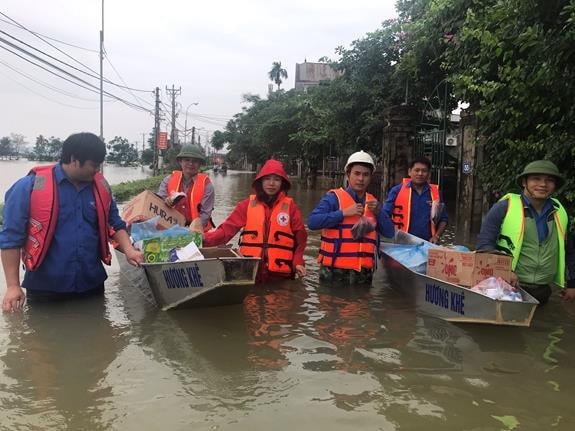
(271, 224)
(351, 221)
(59, 220)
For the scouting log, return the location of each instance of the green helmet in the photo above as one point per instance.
(546, 167)
(193, 152)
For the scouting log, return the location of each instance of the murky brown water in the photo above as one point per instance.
(294, 356)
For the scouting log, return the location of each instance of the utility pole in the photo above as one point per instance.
(156, 132)
(143, 149)
(173, 93)
(102, 76)
(193, 135)
(102, 82)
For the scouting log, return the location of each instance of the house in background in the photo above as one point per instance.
(311, 74)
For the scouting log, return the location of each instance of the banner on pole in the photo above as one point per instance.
(162, 140)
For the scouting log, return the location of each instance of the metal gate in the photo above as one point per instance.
(431, 144)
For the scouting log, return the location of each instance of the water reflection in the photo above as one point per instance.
(273, 315)
(58, 369)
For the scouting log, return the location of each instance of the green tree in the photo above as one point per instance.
(277, 73)
(218, 140)
(19, 142)
(40, 151)
(514, 62)
(54, 148)
(6, 147)
(121, 152)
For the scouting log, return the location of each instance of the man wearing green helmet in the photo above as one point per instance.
(189, 181)
(533, 228)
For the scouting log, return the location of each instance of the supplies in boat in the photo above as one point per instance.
(497, 288)
(175, 244)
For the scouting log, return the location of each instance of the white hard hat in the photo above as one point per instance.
(360, 157)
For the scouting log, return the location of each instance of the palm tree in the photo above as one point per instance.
(277, 73)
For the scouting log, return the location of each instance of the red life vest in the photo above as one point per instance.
(338, 248)
(273, 239)
(401, 216)
(43, 217)
(194, 196)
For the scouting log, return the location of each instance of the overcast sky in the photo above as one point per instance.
(215, 51)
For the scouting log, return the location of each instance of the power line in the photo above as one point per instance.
(126, 88)
(51, 38)
(90, 87)
(94, 73)
(44, 84)
(44, 97)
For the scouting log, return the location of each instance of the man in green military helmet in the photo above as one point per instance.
(533, 228)
(196, 186)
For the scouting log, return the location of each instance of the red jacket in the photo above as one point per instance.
(237, 220)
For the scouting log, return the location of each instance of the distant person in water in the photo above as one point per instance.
(188, 190)
(271, 226)
(59, 219)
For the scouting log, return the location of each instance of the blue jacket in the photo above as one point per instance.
(72, 263)
(327, 214)
(420, 211)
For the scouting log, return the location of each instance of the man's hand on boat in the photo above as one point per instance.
(134, 257)
(122, 242)
(513, 280)
(196, 226)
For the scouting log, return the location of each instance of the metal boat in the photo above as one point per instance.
(450, 301)
(223, 277)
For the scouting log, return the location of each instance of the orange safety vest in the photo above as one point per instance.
(401, 216)
(194, 195)
(338, 249)
(275, 243)
(44, 216)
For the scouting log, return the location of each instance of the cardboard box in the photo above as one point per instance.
(147, 205)
(163, 249)
(467, 268)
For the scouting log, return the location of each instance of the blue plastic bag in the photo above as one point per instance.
(147, 229)
(412, 256)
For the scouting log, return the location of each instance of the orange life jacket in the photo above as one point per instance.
(194, 195)
(401, 216)
(338, 248)
(43, 217)
(273, 242)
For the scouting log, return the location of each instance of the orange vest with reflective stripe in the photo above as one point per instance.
(338, 249)
(273, 239)
(401, 216)
(44, 216)
(195, 194)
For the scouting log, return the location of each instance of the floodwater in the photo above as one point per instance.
(294, 356)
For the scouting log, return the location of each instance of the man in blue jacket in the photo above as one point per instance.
(58, 220)
(351, 221)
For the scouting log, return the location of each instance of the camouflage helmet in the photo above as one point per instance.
(545, 167)
(192, 152)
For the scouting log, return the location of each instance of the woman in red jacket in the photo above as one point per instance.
(271, 224)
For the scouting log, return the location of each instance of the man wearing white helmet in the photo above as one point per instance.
(415, 205)
(351, 222)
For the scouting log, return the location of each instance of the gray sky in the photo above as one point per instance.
(216, 51)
